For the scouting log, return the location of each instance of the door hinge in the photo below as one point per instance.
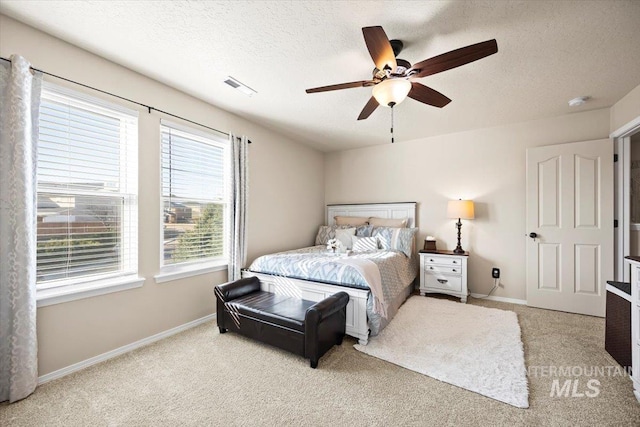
(615, 158)
(615, 223)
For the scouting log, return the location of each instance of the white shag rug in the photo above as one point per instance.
(476, 348)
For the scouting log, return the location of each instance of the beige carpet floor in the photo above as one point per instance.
(200, 378)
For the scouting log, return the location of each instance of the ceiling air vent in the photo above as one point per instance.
(240, 86)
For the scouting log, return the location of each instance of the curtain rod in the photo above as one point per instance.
(148, 107)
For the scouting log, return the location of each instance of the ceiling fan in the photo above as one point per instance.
(393, 77)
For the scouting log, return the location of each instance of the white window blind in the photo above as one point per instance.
(194, 195)
(87, 189)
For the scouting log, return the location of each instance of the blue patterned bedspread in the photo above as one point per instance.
(316, 263)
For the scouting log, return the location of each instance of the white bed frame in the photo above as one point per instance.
(356, 324)
(378, 210)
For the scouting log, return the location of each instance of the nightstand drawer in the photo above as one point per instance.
(444, 282)
(428, 260)
(442, 269)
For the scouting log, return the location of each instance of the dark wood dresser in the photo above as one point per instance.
(617, 338)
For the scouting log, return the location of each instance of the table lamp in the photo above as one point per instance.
(461, 209)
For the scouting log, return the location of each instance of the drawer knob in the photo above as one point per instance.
(442, 280)
(430, 268)
(453, 269)
(430, 259)
(454, 261)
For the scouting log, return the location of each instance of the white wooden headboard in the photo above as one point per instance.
(378, 210)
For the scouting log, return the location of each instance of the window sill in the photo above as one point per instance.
(173, 272)
(68, 293)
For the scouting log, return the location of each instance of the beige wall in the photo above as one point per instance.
(486, 165)
(625, 110)
(286, 206)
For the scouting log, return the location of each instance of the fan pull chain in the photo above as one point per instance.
(392, 139)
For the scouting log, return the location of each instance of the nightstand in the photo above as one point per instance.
(444, 272)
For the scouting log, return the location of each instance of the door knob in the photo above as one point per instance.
(533, 235)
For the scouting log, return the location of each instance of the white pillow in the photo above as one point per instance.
(364, 244)
(344, 236)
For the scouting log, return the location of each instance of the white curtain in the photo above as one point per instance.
(20, 100)
(238, 205)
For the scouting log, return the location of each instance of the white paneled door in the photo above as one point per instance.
(570, 226)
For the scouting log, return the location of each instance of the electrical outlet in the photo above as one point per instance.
(495, 273)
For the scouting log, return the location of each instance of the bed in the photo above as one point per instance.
(378, 282)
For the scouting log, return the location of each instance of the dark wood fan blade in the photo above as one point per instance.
(368, 109)
(379, 47)
(361, 83)
(455, 58)
(426, 95)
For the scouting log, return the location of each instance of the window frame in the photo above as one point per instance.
(174, 271)
(126, 277)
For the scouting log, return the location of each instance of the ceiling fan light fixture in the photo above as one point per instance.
(391, 91)
(391, 75)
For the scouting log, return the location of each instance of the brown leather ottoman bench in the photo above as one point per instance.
(302, 327)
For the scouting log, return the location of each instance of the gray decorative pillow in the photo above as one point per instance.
(406, 241)
(327, 232)
(385, 236)
(400, 239)
(364, 230)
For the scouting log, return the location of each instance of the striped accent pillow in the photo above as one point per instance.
(364, 244)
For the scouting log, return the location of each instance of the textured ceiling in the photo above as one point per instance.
(549, 52)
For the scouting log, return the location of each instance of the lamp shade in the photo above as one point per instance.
(391, 91)
(462, 209)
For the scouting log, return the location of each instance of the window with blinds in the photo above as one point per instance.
(194, 195)
(86, 189)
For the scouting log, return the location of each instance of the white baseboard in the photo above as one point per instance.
(500, 299)
(122, 350)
